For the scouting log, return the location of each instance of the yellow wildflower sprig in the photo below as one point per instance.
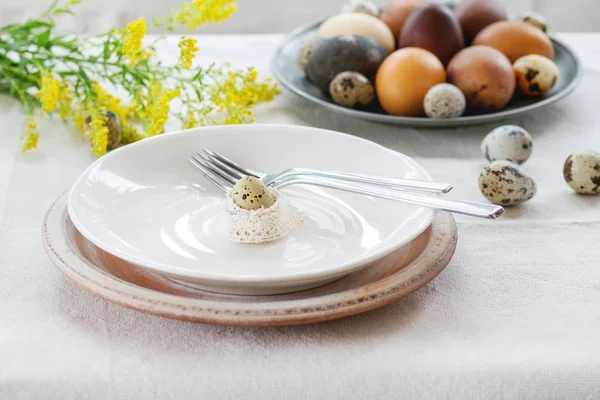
(54, 73)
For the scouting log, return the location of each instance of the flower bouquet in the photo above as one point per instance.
(78, 77)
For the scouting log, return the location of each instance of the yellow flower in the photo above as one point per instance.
(98, 132)
(238, 92)
(32, 133)
(106, 101)
(203, 11)
(132, 40)
(79, 118)
(158, 107)
(49, 92)
(191, 120)
(188, 48)
(65, 100)
(131, 134)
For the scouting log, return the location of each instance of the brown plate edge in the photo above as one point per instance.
(439, 250)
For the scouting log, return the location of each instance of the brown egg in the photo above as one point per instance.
(404, 79)
(394, 14)
(435, 28)
(474, 15)
(515, 39)
(485, 76)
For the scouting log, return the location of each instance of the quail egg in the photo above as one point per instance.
(582, 172)
(508, 142)
(351, 89)
(114, 125)
(250, 193)
(306, 50)
(536, 74)
(536, 20)
(505, 184)
(362, 6)
(444, 100)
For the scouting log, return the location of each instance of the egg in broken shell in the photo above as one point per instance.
(250, 193)
(508, 142)
(505, 184)
(582, 172)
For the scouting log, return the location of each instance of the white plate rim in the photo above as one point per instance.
(165, 268)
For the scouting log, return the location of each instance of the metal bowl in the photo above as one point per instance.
(286, 70)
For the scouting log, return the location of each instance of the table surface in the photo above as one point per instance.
(516, 314)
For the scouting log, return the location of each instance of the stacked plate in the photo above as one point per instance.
(142, 224)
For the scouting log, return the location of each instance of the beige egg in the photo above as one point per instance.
(359, 24)
(505, 184)
(536, 74)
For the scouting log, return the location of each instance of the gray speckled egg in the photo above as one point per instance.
(505, 184)
(362, 6)
(351, 89)
(507, 142)
(251, 194)
(306, 49)
(536, 20)
(444, 101)
(582, 172)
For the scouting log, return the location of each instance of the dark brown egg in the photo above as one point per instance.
(474, 15)
(485, 76)
(344, 53)
(435, 28)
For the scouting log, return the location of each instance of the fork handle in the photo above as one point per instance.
(394, 183)
(474, 209)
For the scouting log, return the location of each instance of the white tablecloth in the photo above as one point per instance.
(516, 314)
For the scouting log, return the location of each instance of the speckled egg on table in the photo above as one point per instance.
(507, 142)
(444, 101)
(351, 89)
(582, 172)
(505, 184)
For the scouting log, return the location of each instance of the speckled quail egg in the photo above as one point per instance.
(250, 193)
(362, 6)
(582, 172)
(508, 142)
(115, 129)
(306, 50)
(536, 20)
(536, 74)
(505, 184)
(444, 100)
(351, 89)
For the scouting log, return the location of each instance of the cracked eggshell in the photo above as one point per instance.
(582, 172)
(505, 184)
(508, 142)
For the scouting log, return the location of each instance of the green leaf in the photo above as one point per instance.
(43, 39)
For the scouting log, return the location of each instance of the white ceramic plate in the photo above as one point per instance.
(145, 204)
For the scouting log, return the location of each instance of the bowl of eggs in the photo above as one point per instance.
(423, 64)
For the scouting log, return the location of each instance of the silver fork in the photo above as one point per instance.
(269, 179)
(224, 180)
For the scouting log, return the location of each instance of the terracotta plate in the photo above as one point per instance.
(384, 281)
